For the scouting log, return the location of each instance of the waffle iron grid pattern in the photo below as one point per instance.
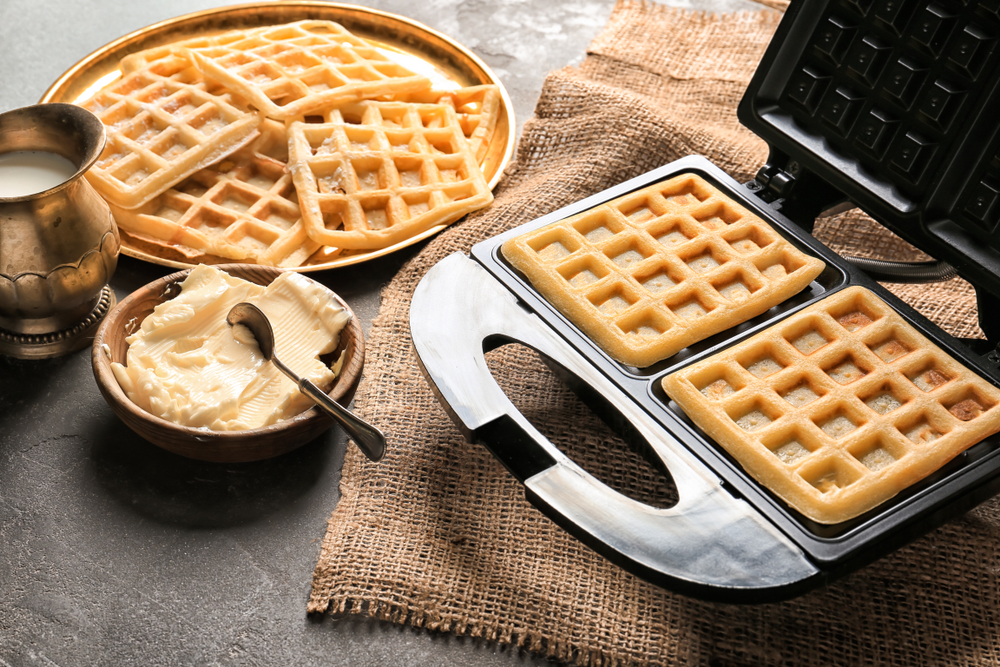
(294, 69)
(891, 83)
(242, 208)
(838, 408)
(164, 122)
(375, 173)
(652, 272)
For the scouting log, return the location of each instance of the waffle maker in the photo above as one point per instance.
(890, 105)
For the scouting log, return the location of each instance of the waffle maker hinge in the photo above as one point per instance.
(798, 193)
(802, 196)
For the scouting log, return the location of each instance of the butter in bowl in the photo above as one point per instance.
(176, 374)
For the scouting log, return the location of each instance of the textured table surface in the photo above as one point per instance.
(114, 552)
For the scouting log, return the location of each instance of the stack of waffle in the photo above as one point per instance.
(272, 144)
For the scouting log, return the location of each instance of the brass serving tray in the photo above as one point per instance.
(418, 47)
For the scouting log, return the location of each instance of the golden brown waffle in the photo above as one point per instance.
(295, 69)
(650, 273)
(164, 123)
(141, 59)
(242, 208)
(377, 173)
(477, 108)
(839, 407)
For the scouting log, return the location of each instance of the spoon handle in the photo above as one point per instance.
(368, 438)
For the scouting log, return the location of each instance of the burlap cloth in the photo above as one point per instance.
(439, 536)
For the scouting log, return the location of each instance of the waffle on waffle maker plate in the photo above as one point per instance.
(810, 420)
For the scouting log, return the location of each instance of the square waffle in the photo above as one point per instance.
(376, 173)
(839, 407)
(243, 208)
(650, 273)
(164, 123)
(295, 69)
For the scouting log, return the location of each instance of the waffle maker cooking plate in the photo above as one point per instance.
(890, 105)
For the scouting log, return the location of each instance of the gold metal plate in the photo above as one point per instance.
(415, 45)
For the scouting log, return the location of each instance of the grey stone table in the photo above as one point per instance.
(114, 552)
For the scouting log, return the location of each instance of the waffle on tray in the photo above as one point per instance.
(300, 68)
(839, 407)
(650, 273)
(184, 184)
(375, 173)
(242, 208)
(141, 59)
(164, 122)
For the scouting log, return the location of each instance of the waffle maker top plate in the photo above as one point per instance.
(883, 103)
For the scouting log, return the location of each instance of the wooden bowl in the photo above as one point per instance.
(203, 444)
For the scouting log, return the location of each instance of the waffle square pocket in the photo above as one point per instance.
(650, 273)
(838, 408)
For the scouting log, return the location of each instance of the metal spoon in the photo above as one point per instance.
(370, 440)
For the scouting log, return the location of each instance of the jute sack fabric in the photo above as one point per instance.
(439, 536)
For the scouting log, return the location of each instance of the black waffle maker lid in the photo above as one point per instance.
(892, 105)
